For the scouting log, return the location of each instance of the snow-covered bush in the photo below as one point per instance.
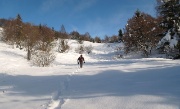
(80, 41)
(43, 58)
(1, 33)
(169, 44)
(119, 52)
(171, 40)
(80, 49)
(170, 13)
(88, 49)
(63, 46)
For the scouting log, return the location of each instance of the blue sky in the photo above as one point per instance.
(98, 17)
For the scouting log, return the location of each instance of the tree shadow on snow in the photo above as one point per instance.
(12, 54)
(156, 82)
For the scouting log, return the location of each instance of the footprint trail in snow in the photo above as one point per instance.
(57, 99)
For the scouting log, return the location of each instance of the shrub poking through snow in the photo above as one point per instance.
(63, 46)
(88, 49)
(43, 58)
(80, 49)
(119, 52)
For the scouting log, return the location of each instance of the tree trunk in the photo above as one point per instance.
(29, 54)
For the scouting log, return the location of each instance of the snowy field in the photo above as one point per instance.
(103, 83)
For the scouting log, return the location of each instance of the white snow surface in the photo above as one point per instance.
(103, 83)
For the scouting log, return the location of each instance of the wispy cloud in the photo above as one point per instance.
(105, 26)
(96, 27)
(48, 5)
(75, 5)
(84, 4)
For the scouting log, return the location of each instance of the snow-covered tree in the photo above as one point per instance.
(169, 10)
(43, 54)
(141, 33)
(43, 58)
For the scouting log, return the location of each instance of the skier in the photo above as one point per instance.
(80, 61)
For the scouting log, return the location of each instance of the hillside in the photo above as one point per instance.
(103, 83)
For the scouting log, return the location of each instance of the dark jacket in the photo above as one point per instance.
(81, 59)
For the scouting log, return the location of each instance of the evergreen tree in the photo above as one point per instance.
(120, 35)
(169, 10)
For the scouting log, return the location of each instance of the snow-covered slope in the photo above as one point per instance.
(103, 83)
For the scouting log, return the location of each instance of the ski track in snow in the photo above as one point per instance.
(57, 99)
